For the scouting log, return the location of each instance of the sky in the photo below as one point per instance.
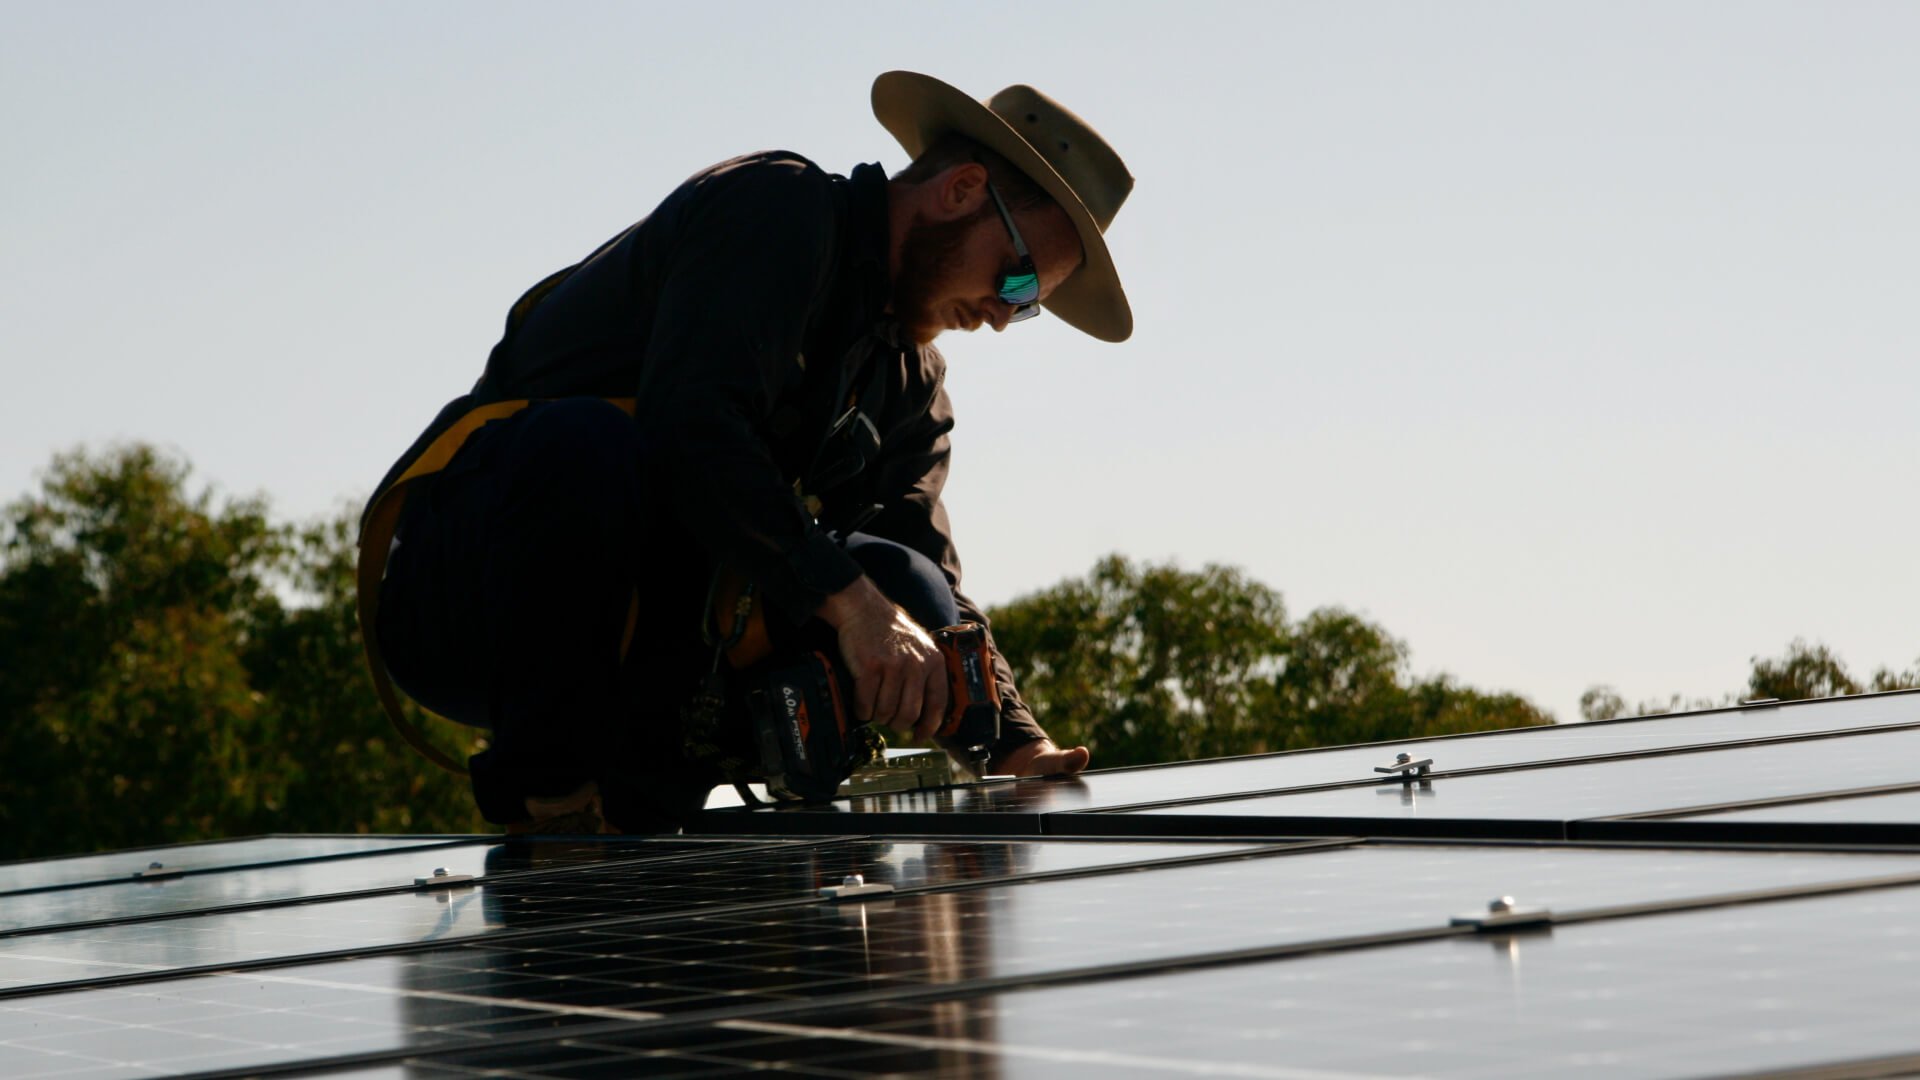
(1573, 343)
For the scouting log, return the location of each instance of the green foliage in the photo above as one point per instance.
(345, 765)
(1145, 663)
(1807, 671)
(156, 687)
(1804, 672)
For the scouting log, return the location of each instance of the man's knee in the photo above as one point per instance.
(908, 578)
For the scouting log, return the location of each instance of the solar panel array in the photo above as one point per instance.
(1726, 893)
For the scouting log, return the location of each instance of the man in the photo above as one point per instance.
(729, 421)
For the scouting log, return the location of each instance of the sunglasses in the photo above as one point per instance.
(1019, 290)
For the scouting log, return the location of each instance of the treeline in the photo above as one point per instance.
(175, 666)
(1804, 672)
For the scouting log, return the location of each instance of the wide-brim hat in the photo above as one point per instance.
(1044, 140)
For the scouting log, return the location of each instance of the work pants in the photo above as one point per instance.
(507, 597)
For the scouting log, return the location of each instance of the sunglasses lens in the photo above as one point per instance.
(1018, 289)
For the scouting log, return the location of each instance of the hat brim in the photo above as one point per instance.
(918, 109)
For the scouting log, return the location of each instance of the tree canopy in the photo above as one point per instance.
(1146, 663)
(178, 667)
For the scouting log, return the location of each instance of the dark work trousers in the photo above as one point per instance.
(507, 596)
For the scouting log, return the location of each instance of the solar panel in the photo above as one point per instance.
(1545, 798)
(1028, 800)
(1760, 989)
(224, 854)
(795, 956)
(1129, 956)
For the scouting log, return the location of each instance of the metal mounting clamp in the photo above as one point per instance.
(442, 880)
(853, 885)
(1502, 912)
(1407, 766)
(155, 871)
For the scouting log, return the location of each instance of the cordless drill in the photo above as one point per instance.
(972, 725)
(808, 742)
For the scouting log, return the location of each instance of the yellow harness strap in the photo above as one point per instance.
(376, 541)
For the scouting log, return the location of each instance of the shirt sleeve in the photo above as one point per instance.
(913, 471)
(742, 269)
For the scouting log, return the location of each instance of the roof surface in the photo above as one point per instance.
(1733, 892)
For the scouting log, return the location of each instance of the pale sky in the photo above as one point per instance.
(1574, 343)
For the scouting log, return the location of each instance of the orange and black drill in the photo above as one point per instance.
(972, 726)
(808, 742)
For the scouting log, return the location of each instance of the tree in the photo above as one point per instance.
(1344, 680)
(1147, 663)
(157, 686)
(1807, 671)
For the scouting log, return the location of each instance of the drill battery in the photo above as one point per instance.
(806, 737)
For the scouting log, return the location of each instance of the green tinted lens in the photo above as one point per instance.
(1018, 289)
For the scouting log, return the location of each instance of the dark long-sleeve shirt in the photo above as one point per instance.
(742, 315)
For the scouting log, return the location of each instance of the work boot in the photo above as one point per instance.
(577, 813)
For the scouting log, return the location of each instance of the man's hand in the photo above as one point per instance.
(899, 678)
(1041, 758)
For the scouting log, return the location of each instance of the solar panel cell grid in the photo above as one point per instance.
(1719, 992)
(237, 937)
(584, 892)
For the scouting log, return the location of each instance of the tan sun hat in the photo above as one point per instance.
(1056, 148)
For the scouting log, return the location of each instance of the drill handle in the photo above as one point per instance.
(973, 694)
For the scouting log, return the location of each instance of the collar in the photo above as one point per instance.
(869, 239)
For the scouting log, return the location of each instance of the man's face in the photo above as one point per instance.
(950, 270)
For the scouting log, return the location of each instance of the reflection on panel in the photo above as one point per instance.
(1722, 992)
(788, 873)
(1100, 790)
(123, 865)
(1897, 808)
(393, 869)
(1570, 792)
